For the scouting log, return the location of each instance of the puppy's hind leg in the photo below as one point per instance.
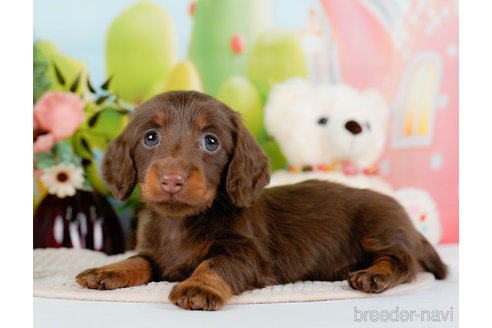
(385, 271)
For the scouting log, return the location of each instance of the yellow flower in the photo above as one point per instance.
(63, 179)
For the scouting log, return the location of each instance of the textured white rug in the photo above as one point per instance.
(55, 271)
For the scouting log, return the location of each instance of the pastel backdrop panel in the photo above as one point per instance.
(406, 49)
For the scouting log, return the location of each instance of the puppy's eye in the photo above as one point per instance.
(323, 121)
(151, 138)
(210, 142)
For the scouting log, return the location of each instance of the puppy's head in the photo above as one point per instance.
(185, 148)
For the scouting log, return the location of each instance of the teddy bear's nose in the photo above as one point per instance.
(353, 127)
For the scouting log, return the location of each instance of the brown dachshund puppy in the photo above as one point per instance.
(210, 224)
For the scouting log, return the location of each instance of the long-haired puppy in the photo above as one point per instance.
(210, 225)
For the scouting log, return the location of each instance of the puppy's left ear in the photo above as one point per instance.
(249, 170)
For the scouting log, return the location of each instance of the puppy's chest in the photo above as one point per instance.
(178, 254)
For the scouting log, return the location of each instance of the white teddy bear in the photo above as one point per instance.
(328, 132)
(337, 133)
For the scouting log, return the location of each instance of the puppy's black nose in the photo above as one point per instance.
(353, 127)
(172, 183)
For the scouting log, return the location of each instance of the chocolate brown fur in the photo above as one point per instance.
(223, 233)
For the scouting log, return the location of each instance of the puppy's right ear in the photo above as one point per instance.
(118, 168)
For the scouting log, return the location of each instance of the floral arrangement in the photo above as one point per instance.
(72, 124)
(57, 115)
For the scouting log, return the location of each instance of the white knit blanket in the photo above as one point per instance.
(55, 271)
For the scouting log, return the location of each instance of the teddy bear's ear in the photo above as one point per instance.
(281, 102)
(377, 103)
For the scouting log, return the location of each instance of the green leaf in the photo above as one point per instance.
(79, 146)
(92, 121)
(44, 160)
(105, 85)
(59, 75)
(89, 85)
(86, 162)
(95, 141)
(41, 80)
(91, 109)
(85, 144)
(102, 99)
(75, 83)
(64, 152)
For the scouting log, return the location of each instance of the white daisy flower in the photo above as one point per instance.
(63, 179)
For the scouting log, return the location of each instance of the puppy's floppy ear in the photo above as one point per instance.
(248, 171)
(118, 168)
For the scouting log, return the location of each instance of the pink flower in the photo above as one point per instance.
(57, 115)
(43, 143)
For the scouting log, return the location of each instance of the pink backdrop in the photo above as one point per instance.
(412, 57)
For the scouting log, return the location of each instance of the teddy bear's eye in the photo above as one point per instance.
(323, 121)
(368, 126)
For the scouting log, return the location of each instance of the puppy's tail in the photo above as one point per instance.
(430, 260)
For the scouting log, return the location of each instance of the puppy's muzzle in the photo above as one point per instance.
(172, 182)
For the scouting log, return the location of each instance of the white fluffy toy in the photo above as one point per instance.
(337, 133)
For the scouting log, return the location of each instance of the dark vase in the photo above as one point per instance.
(85, 220)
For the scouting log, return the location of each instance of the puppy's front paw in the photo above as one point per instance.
(369, 281)
(98, 278)
(191, 295)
